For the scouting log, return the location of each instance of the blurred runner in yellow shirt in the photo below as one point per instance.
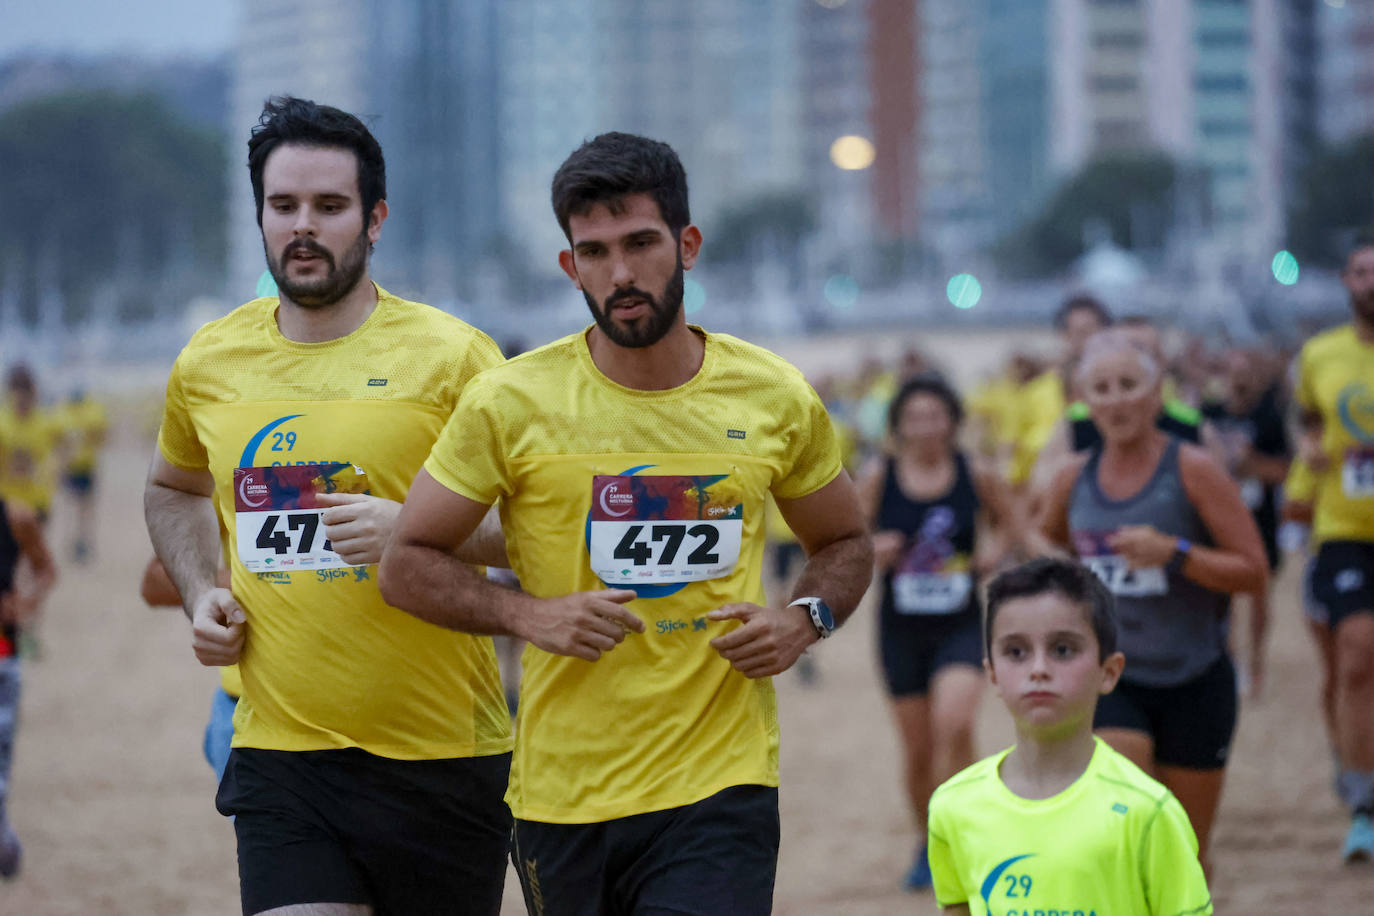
(82, 422)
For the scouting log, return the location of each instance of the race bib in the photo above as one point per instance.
(277, 521)
(1357, 473)
(930, 593)
(659, 529)
(1125, 582)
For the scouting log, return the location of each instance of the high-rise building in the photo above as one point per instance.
(1346, 40)
(1222, 87)
(985, 104)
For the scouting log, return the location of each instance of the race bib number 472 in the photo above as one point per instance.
(277, 519)
(648, 529)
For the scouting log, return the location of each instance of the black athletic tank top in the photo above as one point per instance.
(934, 575)
(9, 559)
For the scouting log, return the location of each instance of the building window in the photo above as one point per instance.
(1218, 82)
(1114, 83)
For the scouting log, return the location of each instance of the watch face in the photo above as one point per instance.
(827, 618)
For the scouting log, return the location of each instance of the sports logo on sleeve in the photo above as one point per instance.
(277, 520)
(656, 533)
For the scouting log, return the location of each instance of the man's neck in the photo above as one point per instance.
(1040, 767)
(670, 362)
(307, 325)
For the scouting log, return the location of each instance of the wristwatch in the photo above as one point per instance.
(1181, 548)
(821, 618)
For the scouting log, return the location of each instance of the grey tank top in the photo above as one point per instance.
(1170, 628)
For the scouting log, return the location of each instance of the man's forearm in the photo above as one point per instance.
(185, 535)
(441, 589)
(839, 573)
(487, 545)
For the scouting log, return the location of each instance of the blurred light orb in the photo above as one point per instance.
(852, 152)
(266, 285)
(963, 291)
(841, 291)
(1285, 268)
(831, 4)
(1336, 4)
(693, 296)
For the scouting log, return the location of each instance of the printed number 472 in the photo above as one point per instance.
(1015, 882)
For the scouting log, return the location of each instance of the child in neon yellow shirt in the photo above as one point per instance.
(1059, 823)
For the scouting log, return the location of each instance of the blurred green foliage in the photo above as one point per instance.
(1131, 196)
(109, 194)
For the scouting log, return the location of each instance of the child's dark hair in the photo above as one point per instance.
(612, 166)
(1074, 581)
(931, 383)
(286, 119)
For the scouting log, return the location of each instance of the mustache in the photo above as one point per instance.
(307, 244)
(630, 292)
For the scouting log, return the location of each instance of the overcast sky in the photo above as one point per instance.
(160, 28)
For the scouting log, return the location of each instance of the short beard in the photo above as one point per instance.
(1363, 306)
(333, 286)
(645, 332)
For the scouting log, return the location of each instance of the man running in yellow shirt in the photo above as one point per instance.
(370, 750)
(632, 462)
(1335, 393)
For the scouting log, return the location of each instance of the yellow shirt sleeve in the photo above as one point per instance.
(815, 453)
(468, 456)
(949, 889)
(176, 438)
(1170, 870)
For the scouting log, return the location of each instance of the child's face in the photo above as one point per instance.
(1044, 663)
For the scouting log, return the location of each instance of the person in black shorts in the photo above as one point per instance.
(936, 521)
(1250, 426)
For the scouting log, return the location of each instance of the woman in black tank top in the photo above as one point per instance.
(1164, 526)
(930, 511)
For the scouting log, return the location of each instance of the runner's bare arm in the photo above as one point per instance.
(183, 527)
(358, 527)
(39, 572)
(1054, 519)
(959, 909)
(420, 575)
(185, 534)
(829, 523)
(839, 553)
(1237, 563)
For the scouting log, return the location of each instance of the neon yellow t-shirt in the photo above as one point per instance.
(663, 490)
(27, 447)
(1115, 843)
(83, 424)
(327, 663)
(1336, 379)
(1042, 405)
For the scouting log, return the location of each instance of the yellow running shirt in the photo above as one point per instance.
(27, 446)
(1041, 409)
(1336, 379)
(83, 422)
(663, 492)
(1115, 843)
(326, 662)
